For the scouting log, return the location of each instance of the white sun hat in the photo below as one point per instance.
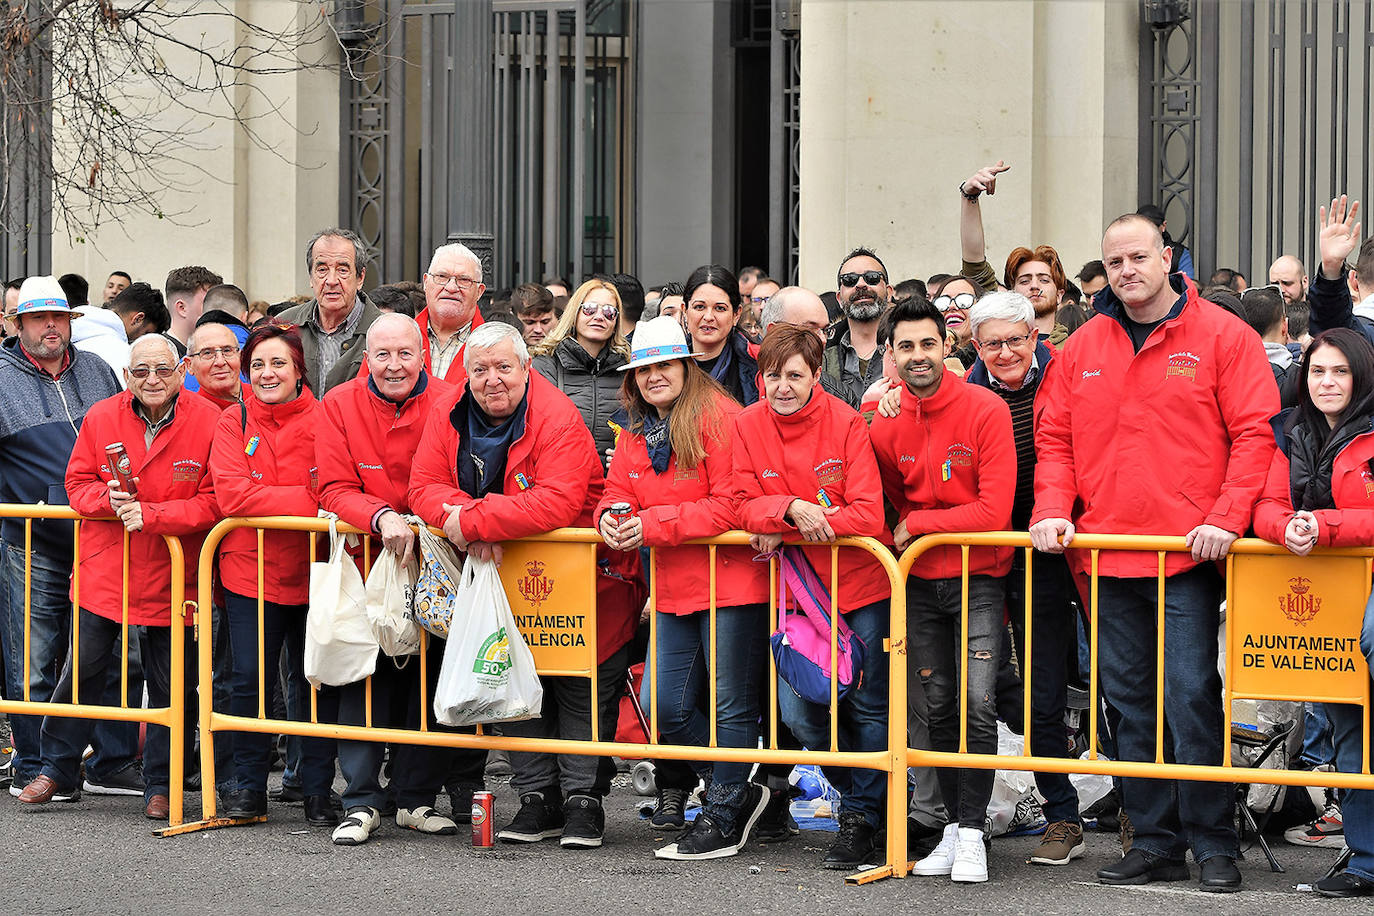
(42, 294)
(658, 340)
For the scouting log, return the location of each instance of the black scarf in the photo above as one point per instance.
(483, 449)
(657, 442)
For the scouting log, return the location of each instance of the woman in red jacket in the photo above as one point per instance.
(672, 466)
(1320, 492)
(263, 463)
(805, 467)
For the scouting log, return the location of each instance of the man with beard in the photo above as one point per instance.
(854, 360)
(1038, 274)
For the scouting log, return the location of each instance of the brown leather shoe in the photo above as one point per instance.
(38, 792)
(157, 808)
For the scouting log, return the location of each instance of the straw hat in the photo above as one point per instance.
(658, 340)
(42, 294)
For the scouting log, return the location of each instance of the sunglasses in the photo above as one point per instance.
(607, 310)
(162, 371)
(870, 277)
(1251, 289)
(961, 301)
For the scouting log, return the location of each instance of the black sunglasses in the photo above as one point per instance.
(871, 277)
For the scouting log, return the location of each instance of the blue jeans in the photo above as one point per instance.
(863, 717)
(934, 633)
(1168, 815)
(282, 624)
(683, 692)
(1316, 735)
(1054, 647)
(1347, 733)
(50, 622)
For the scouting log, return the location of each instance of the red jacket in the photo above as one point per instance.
(364, 445)
(555, 458)
(245, 392)
(1160, 441)
(278, 478)
(948, 463)
(823, 446)
(1350, 524)
(681, 504)
(176, 495)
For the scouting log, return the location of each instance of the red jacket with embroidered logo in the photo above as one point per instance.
(365, 445)
(686, 503)
(1155, 442)
(1350, 524)
(823, 446)
(948, 463)
(278, 478)
(174, 490)
(555, 457)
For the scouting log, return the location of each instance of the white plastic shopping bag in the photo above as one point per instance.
(488, 673)
(339, 645)
(437, 586)
(390, 590)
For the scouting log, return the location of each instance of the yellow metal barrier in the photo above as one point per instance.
(171, 717)
(1342, 578)
(579, 662)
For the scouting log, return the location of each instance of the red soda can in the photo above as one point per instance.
(483, 810)
(120, 466)
(619, 512)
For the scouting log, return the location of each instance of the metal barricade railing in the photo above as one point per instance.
(890, 760)
(1245, 603)
(172, 716)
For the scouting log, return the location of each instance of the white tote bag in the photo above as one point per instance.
(339, 645)
(488, 672)
(390, 589)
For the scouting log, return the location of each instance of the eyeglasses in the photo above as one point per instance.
(162, 371)
(961, 301)
(210, 354)
(996, 345)
(443, 280)
(762, 300)
(871, 277)
(607, 310)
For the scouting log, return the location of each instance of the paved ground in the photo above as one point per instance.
(98, 856)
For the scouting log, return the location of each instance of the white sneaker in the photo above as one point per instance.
(941, 858)
(970, 857)
(426, 820)
(357, 825)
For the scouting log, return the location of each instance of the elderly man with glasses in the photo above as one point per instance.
(453, 284)
(213, 358)
(334, 324)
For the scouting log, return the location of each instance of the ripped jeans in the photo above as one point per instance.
(933, 630)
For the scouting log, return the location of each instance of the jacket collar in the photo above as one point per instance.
(279, 414)
(945, 395)
(979, 374)
(421, 383)
(1108, 304)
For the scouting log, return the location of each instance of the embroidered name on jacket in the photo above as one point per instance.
(1182, 364)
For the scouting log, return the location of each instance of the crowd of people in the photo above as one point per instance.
(1131, 401)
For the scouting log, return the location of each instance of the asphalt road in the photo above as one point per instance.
(99, 856)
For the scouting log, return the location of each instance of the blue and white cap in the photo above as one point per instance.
(658, 340)
(42, 294)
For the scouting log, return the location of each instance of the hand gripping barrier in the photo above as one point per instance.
(1292, 633)
(527, 571)
(20, 622)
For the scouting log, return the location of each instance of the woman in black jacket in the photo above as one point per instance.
(582, 355)
(712, 306)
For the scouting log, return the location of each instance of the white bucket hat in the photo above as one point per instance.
(658, 340)
(42, 294)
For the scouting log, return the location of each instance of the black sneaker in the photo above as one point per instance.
(1344, 885)
(669, 815)
(756, 799)
(540, 818)
(776, 824)
(854, 844)
(704, 840)
(128, 781)
(584, 822)
(921, 839)
(460, 800)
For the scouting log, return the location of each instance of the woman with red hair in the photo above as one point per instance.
(263, 463)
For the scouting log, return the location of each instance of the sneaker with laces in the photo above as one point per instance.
(540, 818)
(853, 845)
(358, 824)
(669, 814)
(584, 822)
(703, 840)
(941, 858)
(970, 857)
(1061, 843)
(1326, 831)
(425, 819)
(128, 781)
